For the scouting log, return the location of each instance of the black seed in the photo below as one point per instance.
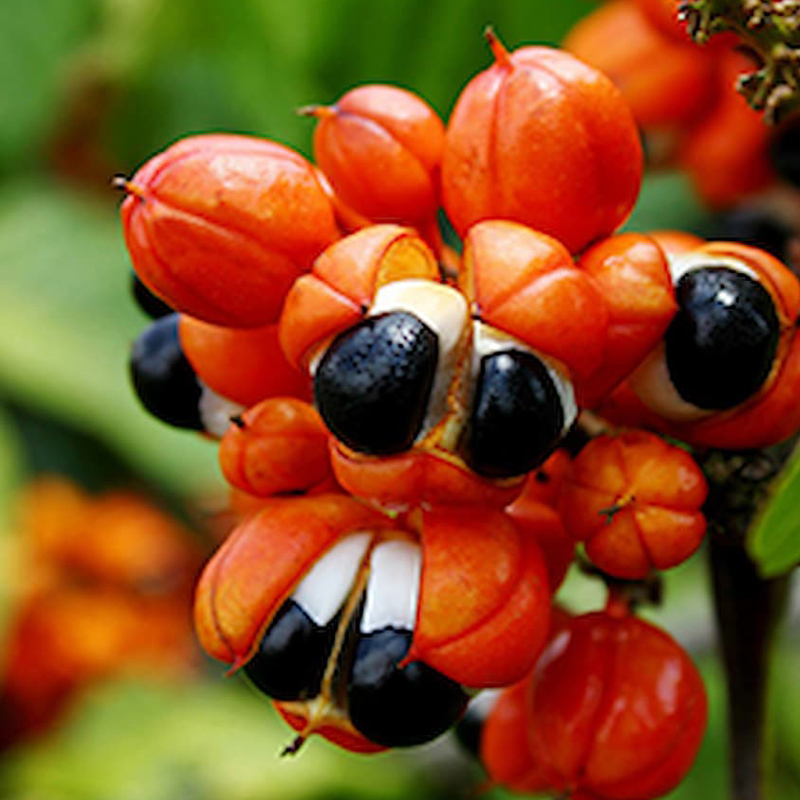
(784, 152)
(753, 226)
(152, 305)
(292, 655)
(399, 707)
(721, 343)
(164, 380)
(373, 384)
(517, 418)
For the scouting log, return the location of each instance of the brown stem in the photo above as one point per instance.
(748, 609)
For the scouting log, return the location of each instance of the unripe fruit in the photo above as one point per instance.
(219, 226)
(380, 148)
(617, 710)
(279, 445)
(613, 710)
(634, 500)
(542, 139)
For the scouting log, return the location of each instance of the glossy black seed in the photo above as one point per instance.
(784, 152)
(152, 305)
(162, 377)
(517, 418)
(399, 707)
(721, 343)
(754, 226)
(291, 658)
(373, 384)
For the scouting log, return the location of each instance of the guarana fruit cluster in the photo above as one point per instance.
(391, 413)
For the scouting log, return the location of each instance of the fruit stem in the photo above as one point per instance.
(501, 55)
(122, 183)
(748, 609)
(317, 111)
(772, 30)
(294, 746)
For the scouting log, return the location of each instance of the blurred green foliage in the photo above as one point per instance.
(91, 88)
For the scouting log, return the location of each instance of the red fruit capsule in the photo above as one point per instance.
(543, 139)
(363, 627)
(727, 371)
(437, 394)
(631, 273)
(635, 501)
(279, 445)
(246, 365)
(380, 149)
(543, 523)
(219, 226)
(614, 710)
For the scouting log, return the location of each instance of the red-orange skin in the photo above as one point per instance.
(675, 243)
(726, 152)
(349, 739)
(525, 283)
(484, 606)
(333, 298)
(520, 281)
(634, 501)
(543, 485)
(219, 226)
(535, 518)
(667, 83)
(380, 148)
(543, 139)
(615, 710)
(280, 446)
(772, 414)
(504, 747)
(599, 318)
(484, 602)
(418, 477)
(630, 270)
(245, 365)
(343, 282)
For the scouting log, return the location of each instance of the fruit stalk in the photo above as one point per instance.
(772, 30)
(748, 609)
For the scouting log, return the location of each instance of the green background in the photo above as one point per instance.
(92, 88)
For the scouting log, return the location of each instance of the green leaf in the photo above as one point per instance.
(68, 322)
(774, 539)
